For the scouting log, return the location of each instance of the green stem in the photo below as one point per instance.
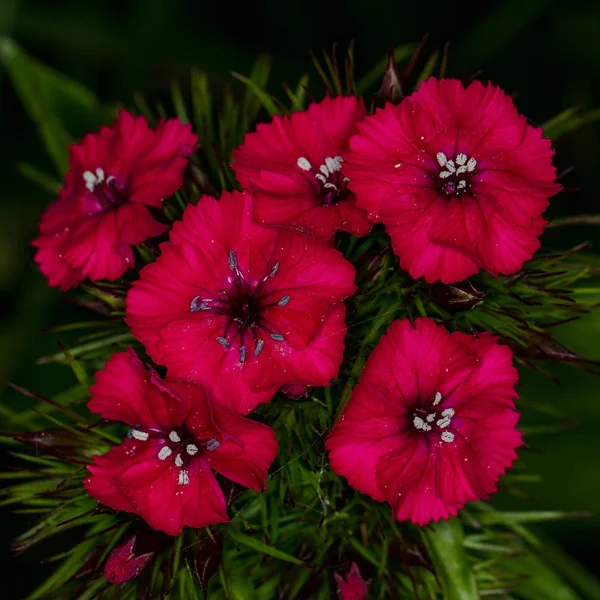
(445, 544)
(575, 220)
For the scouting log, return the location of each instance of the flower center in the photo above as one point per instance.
(107, 191)
(427, 419)
(455, 175)
(177, 445)
(328, 183)
(243, 305)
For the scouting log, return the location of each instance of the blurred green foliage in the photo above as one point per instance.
(546, 52)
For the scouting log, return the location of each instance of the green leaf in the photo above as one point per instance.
(62, 109)
(445, 543)
(567, 121)
(255, 544)
(265, 99)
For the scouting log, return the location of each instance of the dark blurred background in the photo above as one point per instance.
(545, 52)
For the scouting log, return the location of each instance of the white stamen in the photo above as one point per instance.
(324, 170)
(460, 170)
(462, 184)
(184, 477)
(445, 174)
(346, 179)
(284, 300)
(442, 423)
(461, 159)
(420, 424)
(441, 158)
(447, 436)
(141, 436)
(259, 346)
(164, 453)
(174, 437)
(332, 165)
(448, 412)
(430, 417)
(330, 185)
(471, 165)
(178, 461)
(99, 175)
(304, 164)
(450, 166)
(437, 399)
(321, 177)
(191, 449)
(89, 177)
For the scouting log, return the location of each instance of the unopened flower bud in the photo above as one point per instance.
(123, 564)
(391, 85)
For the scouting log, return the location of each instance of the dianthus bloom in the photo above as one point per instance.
(242, 308)
(163, 471)
(431, 424)
(295, 168)
(457, 176)
(353, 587)
(115, 176)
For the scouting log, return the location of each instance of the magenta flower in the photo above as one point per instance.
(457, 176)
(242, 308)
(123, 564)
(116, 175)
(294, 166)
(431, 424)
(163, 471)
(353, 587)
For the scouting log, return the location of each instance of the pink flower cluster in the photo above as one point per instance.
(247, 297)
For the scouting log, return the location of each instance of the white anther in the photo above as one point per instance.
(460, 170)
(184, 477)
(420, 424)
(471, 165)
(461, 159)
(304, 164)
(321, 177)
(324, 170)
(462, 184)
(330, 185)
(441, 158)
(430, 417)
(164, 453)
(191, 449)
(332, 165)
(450, 166)
(445, 174)
(99, 175)
(141, 436)
(448, 412)
(178, 461)
(174, 437)
(447, 436)
(443, 423)
(437, 399)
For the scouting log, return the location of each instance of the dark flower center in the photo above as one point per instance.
(428, 418)
(329, 183)
(454, 178)
(108, 192)
(178, 445)
(243, 305)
